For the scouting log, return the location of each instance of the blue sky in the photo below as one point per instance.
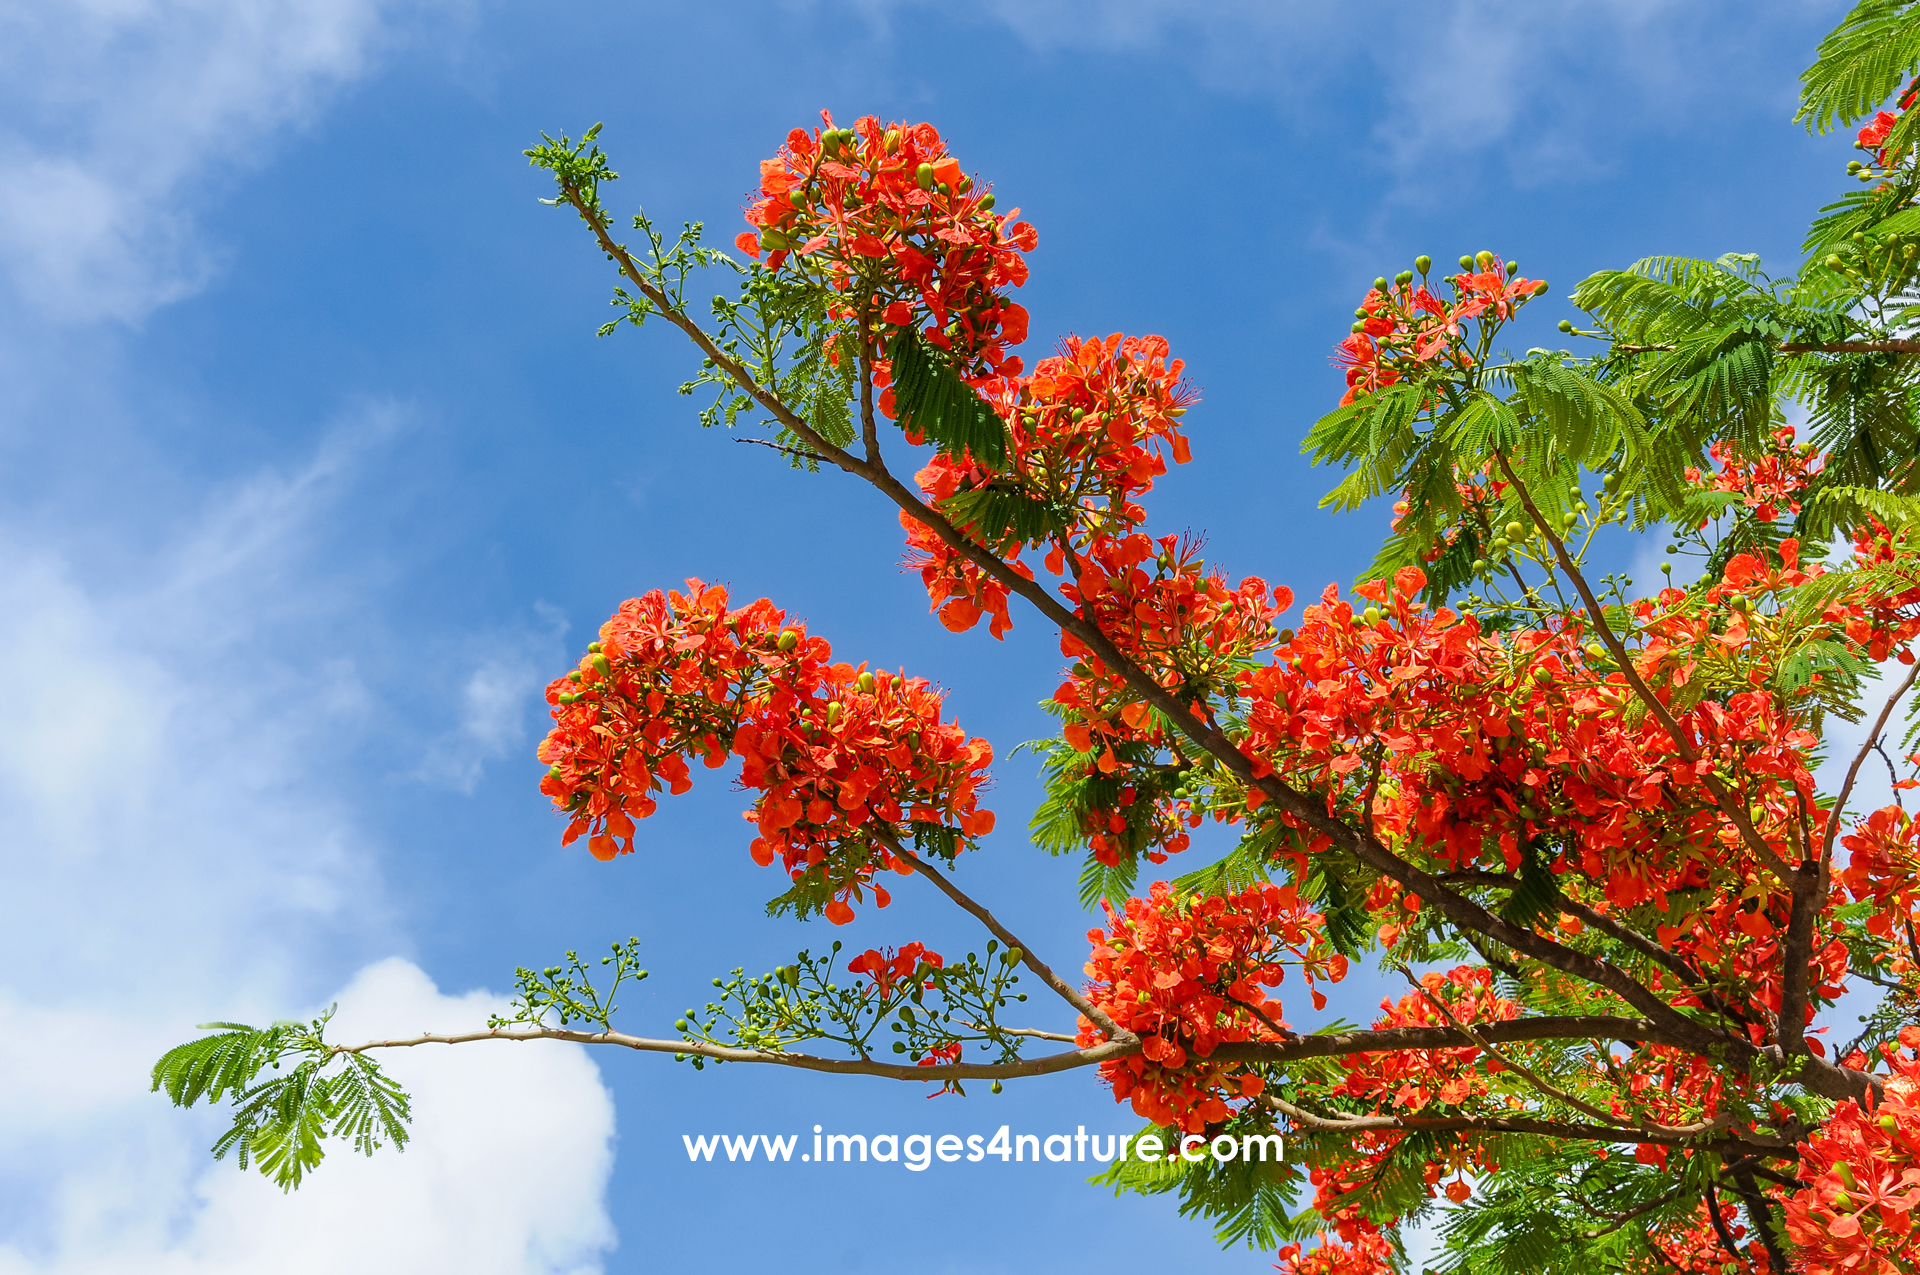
(312, 472)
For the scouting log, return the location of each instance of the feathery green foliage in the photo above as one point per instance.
(282, 1123)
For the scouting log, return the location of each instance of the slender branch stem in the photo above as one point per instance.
(1065, 990)
(1853, 772)
(1066, 1061)
(1518, 1124)
(1720, 1223)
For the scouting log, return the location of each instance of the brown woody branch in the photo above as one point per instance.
(1689, 1034)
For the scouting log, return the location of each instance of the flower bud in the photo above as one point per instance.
(892, 141)
(1423, 263)
(1284, 636)
(1402, 279)
(986, 201)
(1566, 325)
(1380, 284)
(1513, 530)
(1466, 263)
(834, 712)
(1370, 617)
(866, 683)
(788, 640)
(601, 666)
(593, 647)
(923, 176)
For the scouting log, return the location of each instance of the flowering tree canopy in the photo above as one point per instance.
(1579, 818)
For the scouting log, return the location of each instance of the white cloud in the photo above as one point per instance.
(506, 1176)
(510, 668)
(1542, 85)
(119, 114)
(181, 845)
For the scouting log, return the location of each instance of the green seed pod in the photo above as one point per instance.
(788, 640)
(1423, 263)
(923, 177)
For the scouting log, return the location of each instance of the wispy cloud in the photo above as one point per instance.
(122, 115)
(506, 670)
(182, 843)
(1546, 88)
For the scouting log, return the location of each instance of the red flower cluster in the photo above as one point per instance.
(1768, 483)
(883, 215)
(890, 969)
(1188, 975)
(1885, 867)
(1864, 1166)
(1367, 1254)
(1087, 434)
(841, 757)
(1405, 332)
(1414, 1080)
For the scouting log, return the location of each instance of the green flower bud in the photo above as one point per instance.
(1423, 263)
(1514, 531)
(923, 177)
(995, 1086)
(1566, 325)
(788, 640)
(1284, 636)
(834, 712)
(986, 201)
(866, 683)
(601, 666)
(1370, 617)
(1402, 279)
(593, 647)
(1466, 263)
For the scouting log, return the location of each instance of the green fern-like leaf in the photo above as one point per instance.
(932, 399)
